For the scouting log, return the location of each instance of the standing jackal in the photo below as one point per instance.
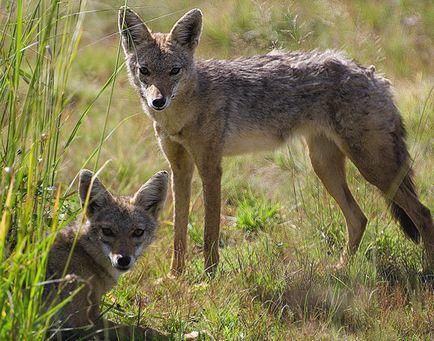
(206, 109)
(97, 251)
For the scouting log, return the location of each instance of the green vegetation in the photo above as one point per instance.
(255, 214)
(66, 104)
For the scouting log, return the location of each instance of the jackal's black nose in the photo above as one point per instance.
(159, 103)
(124, 261)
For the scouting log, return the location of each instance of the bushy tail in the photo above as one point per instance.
(407, 185)
(399, 214)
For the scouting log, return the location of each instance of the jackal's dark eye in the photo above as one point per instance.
(144, 71)
(138, 232)
(107, 232)
(175, 71)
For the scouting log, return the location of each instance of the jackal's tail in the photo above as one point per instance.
(406, 223)
(401, 216)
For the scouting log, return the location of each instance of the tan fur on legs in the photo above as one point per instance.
(329, 164)
(182, 167)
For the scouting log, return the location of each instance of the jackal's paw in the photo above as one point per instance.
(175, 272)
(177, 267)
(210, 271)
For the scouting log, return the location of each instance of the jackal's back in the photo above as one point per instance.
(277, 93)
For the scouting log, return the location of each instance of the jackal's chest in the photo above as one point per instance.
(171, 120)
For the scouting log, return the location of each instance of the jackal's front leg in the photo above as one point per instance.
(210, 171)
(182, 167)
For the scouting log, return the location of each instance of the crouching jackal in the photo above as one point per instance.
(94, 251)
(206, 109)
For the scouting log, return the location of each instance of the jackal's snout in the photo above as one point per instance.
(122, 262)
(159, 103)
(156, 99)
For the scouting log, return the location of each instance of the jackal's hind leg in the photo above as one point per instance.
(329, 164)
(414, 218)
(384, 161)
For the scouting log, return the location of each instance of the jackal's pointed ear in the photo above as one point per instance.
(133, 30)
(187, 30)
(99, 196)
(152, 195)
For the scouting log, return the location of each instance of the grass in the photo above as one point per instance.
(38, 45)
(66, 104)
(255, 214)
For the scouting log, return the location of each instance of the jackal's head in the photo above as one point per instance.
(159, 64)
(121, 227)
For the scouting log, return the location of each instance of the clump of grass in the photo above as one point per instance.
(256, 213)
(195, 233)
(396, 260)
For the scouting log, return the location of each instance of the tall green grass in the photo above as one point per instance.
(38, 46)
